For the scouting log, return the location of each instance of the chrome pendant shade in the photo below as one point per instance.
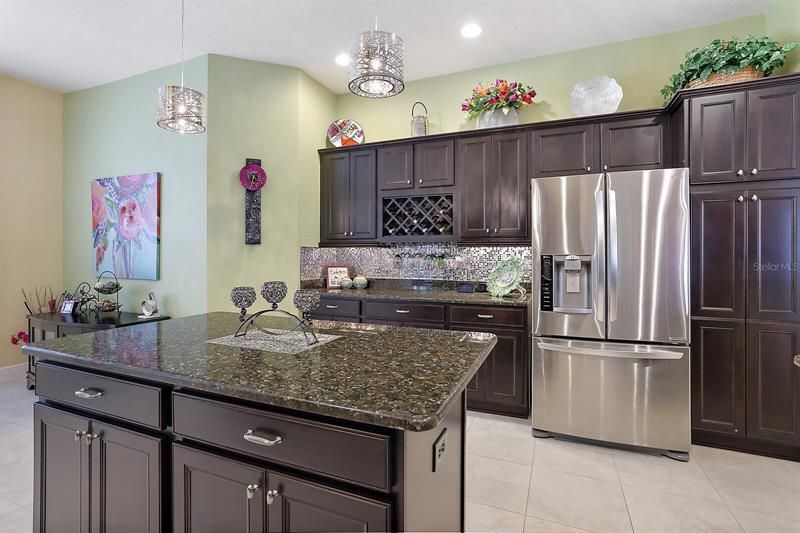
(376, 65)
(180, 109)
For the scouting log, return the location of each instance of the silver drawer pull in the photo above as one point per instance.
(329, 306)
(486, 316)
(251, 491)
(249, 436)
(87, 395)
(402, 311)
(271, 494)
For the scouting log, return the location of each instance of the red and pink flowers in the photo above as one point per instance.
(500, 95)
(20, 339)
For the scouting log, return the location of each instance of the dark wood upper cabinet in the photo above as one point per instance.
(633, 144)
(718, 137)
(773, 132)
(348, 211)
(125, 480)
(61, 476)
(210, 493)
(301, 505)
(564, 150)
(679, 135)
(718, 252)
(335, 187)
(396, 167)
(718, 376)
(510, 184)
(773, 382)
(363, 196)
(476, 196)
(773, 288)
(433, 163)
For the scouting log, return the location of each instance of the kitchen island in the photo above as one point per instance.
(154, 428)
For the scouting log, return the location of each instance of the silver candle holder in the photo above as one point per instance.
(305, 300)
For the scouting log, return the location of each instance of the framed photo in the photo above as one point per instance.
(334, 276)
(67, 306)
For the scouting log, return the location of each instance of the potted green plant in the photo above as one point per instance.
(730, 61)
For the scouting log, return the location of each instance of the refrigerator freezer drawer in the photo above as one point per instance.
(622, 393)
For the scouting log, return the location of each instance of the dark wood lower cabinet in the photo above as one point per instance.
(718, 376)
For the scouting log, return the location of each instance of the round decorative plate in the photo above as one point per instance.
(252, 177)
(345, 132)
(505, 277)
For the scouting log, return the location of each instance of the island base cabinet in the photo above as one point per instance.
(213, 493)
(92, 476)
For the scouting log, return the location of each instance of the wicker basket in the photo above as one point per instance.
(721, 78)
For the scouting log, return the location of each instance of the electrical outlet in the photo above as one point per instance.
(439, 449)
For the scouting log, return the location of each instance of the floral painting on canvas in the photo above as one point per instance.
(125, 225)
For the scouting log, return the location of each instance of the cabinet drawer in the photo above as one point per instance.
(488, 316)
(339, 307)
(351, 455)
(404, 311)
(117, 398)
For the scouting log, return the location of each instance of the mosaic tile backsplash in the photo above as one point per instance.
(441, 261)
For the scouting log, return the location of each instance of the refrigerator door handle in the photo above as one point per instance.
(622, 354)
(612, 255)
(598, 270)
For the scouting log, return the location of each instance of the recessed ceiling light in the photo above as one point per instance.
(343, 59)
(471, 30)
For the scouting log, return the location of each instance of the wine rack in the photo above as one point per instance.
(417, 218)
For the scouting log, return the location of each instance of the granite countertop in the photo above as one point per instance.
(435, 295)
(396, 377)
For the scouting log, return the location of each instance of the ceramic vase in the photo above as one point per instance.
(496, 118)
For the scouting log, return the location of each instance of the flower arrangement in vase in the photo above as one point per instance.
(497, 104)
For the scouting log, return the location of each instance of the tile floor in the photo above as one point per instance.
(516, 483)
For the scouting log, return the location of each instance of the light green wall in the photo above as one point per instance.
(641, 66)
(783, 24)
(110, 131)
(279, 115)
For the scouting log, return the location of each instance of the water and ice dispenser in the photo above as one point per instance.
(566, 284)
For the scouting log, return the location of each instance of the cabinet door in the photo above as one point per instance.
(363, 196)
(718, 253)
(717, 132)
(635, 144)
(506, 371)
(300, 505)
(773, 279)
(773, 381)
(210, 493)
(718, 376)
(476, 388)
(433, 164)
(396, 167)
(773, 132)
(335, 195)
(125, 487)
(476, 196)
(564, 150)
(61, 473)
(511, 190)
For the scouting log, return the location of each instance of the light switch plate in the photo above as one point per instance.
(439, 449)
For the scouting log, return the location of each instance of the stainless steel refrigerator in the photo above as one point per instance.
(610, 308)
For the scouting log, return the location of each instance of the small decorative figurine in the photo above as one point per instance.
(360, 282)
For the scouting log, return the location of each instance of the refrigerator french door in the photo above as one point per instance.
(610, 309)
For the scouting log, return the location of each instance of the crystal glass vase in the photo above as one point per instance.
(496, 118)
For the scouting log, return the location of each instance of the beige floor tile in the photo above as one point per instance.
(652, 511)
(663, 474)
(497, 483)
(764, 523)
(17, 521)
(537, 525)
(793, 466)
(577, 501)
(485, 519)
(501, 438)
(576, 458)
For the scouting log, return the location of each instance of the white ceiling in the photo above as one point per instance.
(67, 45)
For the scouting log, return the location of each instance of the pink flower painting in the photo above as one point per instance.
(125, 225)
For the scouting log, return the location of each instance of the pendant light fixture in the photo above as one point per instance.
(181, 109)
(376, 63)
